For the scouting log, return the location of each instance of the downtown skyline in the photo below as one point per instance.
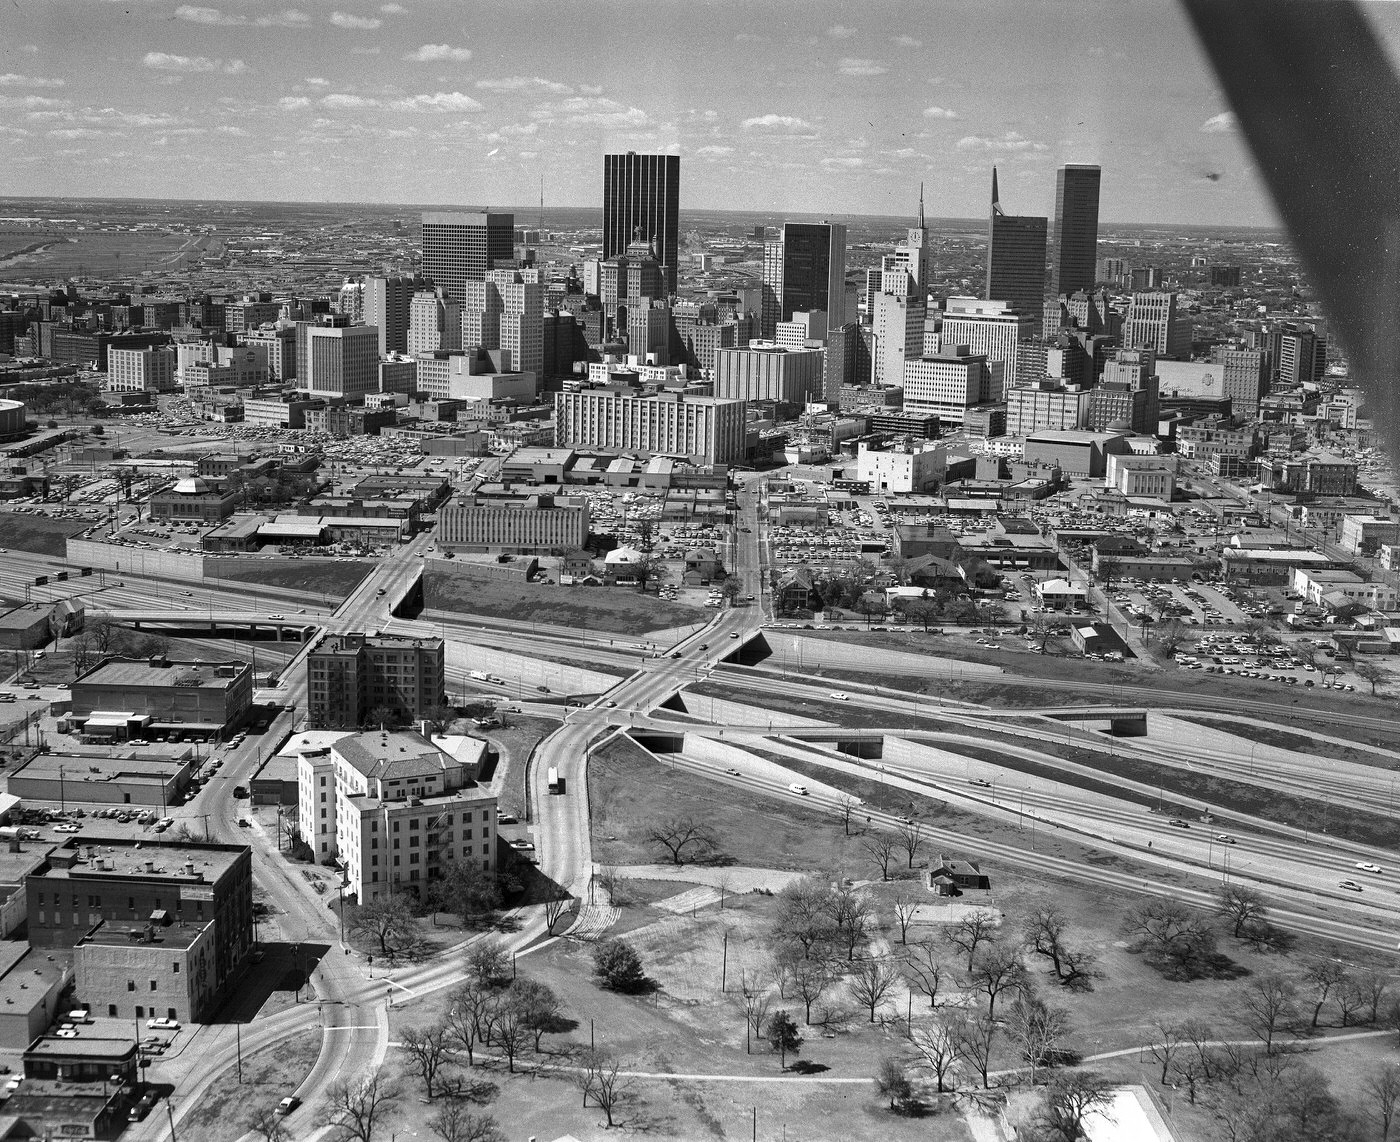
(773, 107)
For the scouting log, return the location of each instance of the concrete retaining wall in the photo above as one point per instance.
(136, 560)
(721, 712)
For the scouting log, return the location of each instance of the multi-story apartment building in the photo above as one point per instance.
(1049, 403)
(141, 370)
(947, 385)
(769, 372)
(352, 678)
(706, 430)
(991, 328)
(536, 524)
(397, 810)
(165, 903)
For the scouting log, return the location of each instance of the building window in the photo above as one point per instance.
(175, 967)
(153, 985)
(131, 985)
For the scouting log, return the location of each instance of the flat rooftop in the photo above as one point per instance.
(81, 1047)
(27, 974)
(93, 855)
(141, 674)
(85, 769)
(126, 933)
(350, 643)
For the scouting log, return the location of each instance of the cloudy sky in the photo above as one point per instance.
(775, 105)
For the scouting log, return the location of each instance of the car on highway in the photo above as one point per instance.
(277, 616)
(800, 790)
(610, 704)
(381, 591)
(735, 634)
(840, 696)
(1177, 823)
(704, 646)
(522, 845)
(1225, 839)
(542, 689)
(240, 791)
(733, 773)
(981, 782)
(287, 1105)
(1367, 866)
(163, 1024)
(1351, 886)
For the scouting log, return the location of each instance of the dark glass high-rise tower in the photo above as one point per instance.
(460, 247)
(804, 270)
(641, 193)
(1015, 257)
(1076, 229)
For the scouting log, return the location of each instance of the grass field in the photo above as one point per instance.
(225, 1110)
(619, 610)
(1272, 735)
(333, 578)
(98, 254)
(39, 534)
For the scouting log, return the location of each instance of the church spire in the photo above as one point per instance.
(921, 206)
(996, 198)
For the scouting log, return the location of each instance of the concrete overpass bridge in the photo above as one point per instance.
(212, 624)
(1121, 722)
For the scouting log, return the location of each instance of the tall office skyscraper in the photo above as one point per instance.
(386, 302)
(642, 192)
(460, 247)
(506, 311)
(1072, 261)
(805, 269)
(1015, 257)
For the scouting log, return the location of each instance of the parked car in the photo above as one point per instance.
(163, 1024)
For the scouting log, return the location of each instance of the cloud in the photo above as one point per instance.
(164, 61)
(10, 79)
(771, 122)
(317, 81)
(30, 49)
(939, 113)
(1223, 124)
(76, 133)
(438, 101)
(32, 102)
(293, 102)
(715, 152)
(392, 9)
(840, 32)
(434, 53)
(750, 38)
(359, 23)
(906, 41)
(340, 101)
(1011, 141)
(850, 66)
(849, 163)
(525, 83)
(593, 111)
(198, 15)
(361, 51)
(287, 18)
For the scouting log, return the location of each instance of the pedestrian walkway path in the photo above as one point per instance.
(593, 921)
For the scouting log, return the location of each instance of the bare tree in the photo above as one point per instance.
(756, 1005)
(892, 1081)
(1167, 1042)
(427, 1050)
(355, 1106)
(1351, 999)
(810, 980)
(1241, 905)
(975, 1035)
(854, 916)
(555, 908)
(845, 809)
(1037, 1028)
(389, 922)
(804, 916)
(881, 847)
(1321, 977)
(539, 1007)
(81, 650)
(677, 835)
(601, 1079)
(1044, 934)
(1269, 1006)
(938, 1047)
(872, 982)
(996, 969)
(1369, 672)
(268, 1125)
(969, 933)
(925, 970)
(104, 632)
(455, 1123)
(906, 907)
(1069, 1101)
(510, 1030)
(1382, 1090)
(468, 1018)
(486, 961)
(911, 839)
(1375, 986)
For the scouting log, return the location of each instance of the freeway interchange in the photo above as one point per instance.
(1299, 868)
